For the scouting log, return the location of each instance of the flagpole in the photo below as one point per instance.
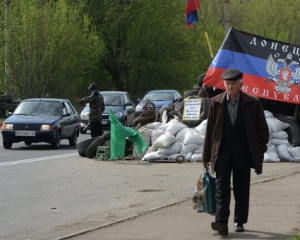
(206, 36)
(226, 16)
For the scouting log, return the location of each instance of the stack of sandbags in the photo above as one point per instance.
(173, 139)
(278, 140)
(169, 140)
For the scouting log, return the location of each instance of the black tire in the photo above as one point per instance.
(82, 131)
(190, 93)
(56, 143)
(209, 92)
(82, 146)
(92, 148)
(11, 106)
(2, 112)
(205, 103)
(28, 143)
(106, 143)
(160, 113)
(293, 130)
(106, 135)
(200, 79)
(6, 98)
(73, 140)
(205, 108)
(149, 107)
(7, 144)
(196, 87)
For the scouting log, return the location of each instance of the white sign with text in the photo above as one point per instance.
(191, 109)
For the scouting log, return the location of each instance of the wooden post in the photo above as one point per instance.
(226, 15)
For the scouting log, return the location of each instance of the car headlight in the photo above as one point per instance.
(138, 108)
(118, 114)
(47, 127)
(7, 126)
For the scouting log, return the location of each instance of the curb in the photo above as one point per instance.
(159, 208)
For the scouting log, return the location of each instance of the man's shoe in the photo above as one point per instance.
(238, 227)
(221, 228)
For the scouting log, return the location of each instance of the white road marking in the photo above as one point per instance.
(37, 159)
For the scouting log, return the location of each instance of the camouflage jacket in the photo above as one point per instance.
(96, 103)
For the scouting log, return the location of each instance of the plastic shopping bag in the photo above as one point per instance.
(209, 192)
(204, 193)
(198, 197)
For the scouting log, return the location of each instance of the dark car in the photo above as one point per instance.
(159, 98)
(41, 120)
(119, 102)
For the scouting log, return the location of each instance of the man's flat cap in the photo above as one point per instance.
(232, 74)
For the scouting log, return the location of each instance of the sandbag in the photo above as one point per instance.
(174, 148)
(188, 148)
(271, 157)
(283, 153)
(276, 125)
(295, 153)
(174, 127)
(196, 138)
(164, 141)
(280, 135)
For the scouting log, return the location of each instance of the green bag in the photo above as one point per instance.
(209, 192)
(118, 135)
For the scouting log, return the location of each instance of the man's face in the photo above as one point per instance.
(233, 87)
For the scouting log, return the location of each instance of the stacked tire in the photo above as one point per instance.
(205, 103)
(7, 103)
(88, 148)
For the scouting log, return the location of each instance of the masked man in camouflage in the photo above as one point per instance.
(96, 102)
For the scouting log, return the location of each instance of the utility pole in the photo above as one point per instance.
(226, 16)
(7, 18)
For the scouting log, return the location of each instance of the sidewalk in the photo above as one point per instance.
(274, 214)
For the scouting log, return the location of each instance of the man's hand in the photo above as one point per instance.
(205, 164)
(78, 100)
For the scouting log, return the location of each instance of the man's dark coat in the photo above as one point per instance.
(256, 129)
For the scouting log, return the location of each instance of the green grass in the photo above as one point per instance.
(296, 236)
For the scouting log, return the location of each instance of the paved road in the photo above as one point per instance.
(274, 214)
(61, 196)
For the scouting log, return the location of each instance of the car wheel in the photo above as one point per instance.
(7, 144)
(56, 143)
(82, 131)
(73, 140)
(27, 143)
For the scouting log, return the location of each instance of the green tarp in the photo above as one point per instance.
(118, 136)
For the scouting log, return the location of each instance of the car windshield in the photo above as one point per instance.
(86, 109)
(38, 108)
(158, 96)
(113, 100)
